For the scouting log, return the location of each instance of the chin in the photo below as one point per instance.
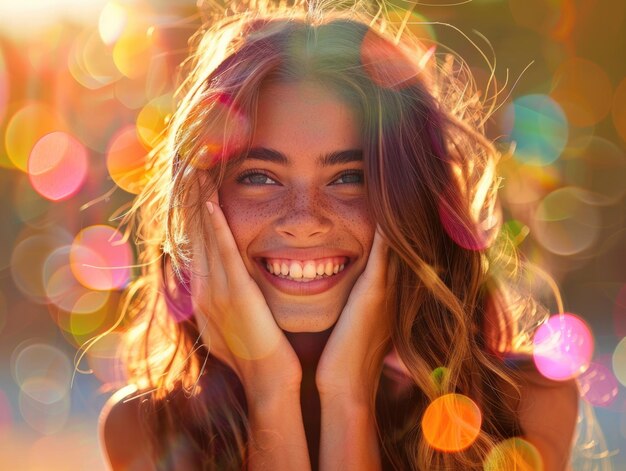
(300, 321)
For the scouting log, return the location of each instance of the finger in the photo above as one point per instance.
(378, 254)
(225, 242)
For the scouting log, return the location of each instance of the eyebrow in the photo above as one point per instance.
(326, 160)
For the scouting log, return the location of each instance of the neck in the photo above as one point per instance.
(309, 346)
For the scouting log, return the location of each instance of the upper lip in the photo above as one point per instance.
(309, 253)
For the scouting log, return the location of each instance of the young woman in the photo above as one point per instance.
(322, 266)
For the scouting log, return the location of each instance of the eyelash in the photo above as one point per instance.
(249, 173)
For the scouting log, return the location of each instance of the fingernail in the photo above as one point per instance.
(209, 206)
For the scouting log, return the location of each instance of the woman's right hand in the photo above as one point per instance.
(233, 317)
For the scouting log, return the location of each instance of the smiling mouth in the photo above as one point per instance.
(305, 271)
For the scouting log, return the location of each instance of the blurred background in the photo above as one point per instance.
(85, 89)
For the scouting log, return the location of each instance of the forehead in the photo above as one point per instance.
(304, 119)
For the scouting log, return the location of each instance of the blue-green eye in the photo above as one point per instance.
(254, 177)
(350, 177)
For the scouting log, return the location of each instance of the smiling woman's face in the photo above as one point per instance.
(297, 205)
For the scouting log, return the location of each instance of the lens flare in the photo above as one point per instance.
(513, 454)
(538, 127)
(562, 347)
(451, 422)
(224, 136)
(57, 166)
(100, 258)
(389, 66)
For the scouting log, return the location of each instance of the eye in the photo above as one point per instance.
(350, 177)
(255, 177)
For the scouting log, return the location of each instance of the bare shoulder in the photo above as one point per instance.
(548, 412)
(123, 437)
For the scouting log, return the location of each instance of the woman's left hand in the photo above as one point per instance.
(351, 362)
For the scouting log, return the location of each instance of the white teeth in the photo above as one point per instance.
(309, 270)
(295, 270)
(303, 271)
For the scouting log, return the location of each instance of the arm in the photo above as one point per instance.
(548, 412)
(349, 438)
(349, 371)
(242, 332)
(277, 440)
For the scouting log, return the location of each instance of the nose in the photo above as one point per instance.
(304, 216)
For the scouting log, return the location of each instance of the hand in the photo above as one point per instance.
(233, 317)
(352, 359)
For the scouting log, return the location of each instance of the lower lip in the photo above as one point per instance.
(304, 288)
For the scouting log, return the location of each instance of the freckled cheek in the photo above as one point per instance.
(245, 220)
(355, 216)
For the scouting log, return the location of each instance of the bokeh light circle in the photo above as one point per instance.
(513, 454)
(100, 259)
(598, 385)
(539, 128)
(562, 347)
(62, 288)
(26, 127)
(598, 167)
(619, 361)
(564, 223)
(27, 261)
(126, 160)
(451, 422)
(153, 118)
(584, 91)
(132, 52)
(112, 21)
(57, 166)
(45, 418)
(42, 372)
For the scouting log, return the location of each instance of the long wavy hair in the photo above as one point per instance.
(432, 189)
